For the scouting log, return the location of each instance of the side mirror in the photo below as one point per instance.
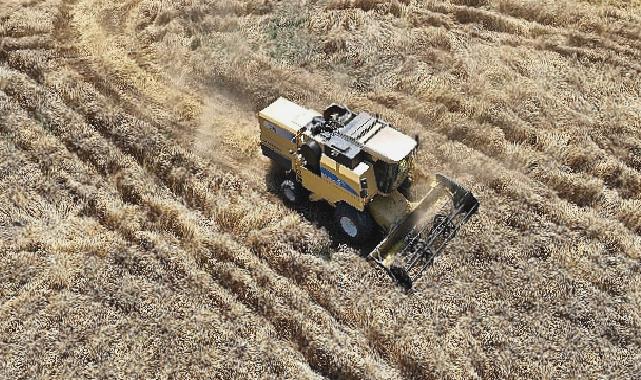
(416, 139)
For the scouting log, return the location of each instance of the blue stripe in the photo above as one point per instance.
(327, 174)
(287, 135)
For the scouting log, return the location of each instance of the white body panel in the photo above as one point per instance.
(288, 114)
(391, 144)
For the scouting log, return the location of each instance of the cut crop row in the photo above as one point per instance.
(237, 255)
(105, 204)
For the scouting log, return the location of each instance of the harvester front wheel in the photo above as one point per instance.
(358, 226)
(293, 191)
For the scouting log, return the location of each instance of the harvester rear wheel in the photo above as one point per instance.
(401, 276)
(358, 226)
(293, 191)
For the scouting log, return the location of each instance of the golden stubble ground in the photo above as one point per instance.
(140, 235)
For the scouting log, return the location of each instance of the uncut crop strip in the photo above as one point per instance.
(240, 259)
(576, 155)
(580, 189)
(607, 144)
(518, 187)
(527, 30)
(542, 14)
(107, 209)
(515, 229)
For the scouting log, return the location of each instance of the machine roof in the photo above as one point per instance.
(391, 144)
(288, 114)
(376, 137)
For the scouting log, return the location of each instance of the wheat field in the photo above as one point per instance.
(142, 236)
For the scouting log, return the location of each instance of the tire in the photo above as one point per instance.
(406, 188)
(402, 277)
(293, 192)
(357, 226)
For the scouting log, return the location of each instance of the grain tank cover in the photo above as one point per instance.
(378, 138)
(287, 114)
(390, 144)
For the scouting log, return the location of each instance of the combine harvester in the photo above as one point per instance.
(361, 165)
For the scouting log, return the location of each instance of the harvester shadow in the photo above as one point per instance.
(321, 215)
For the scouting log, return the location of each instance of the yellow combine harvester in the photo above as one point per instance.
(362, 166)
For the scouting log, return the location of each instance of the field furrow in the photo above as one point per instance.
(197, 240)
(142, 236)
(103, 204)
